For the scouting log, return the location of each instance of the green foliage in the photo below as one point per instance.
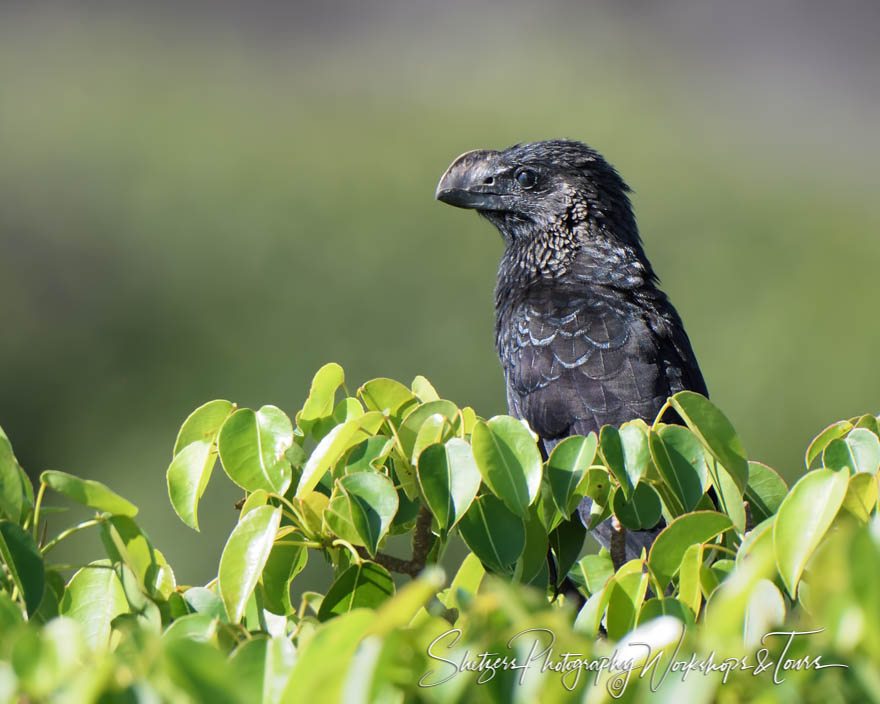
(347, 473)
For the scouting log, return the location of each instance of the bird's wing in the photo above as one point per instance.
(575, 363)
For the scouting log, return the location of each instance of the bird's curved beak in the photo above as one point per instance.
(471, 181)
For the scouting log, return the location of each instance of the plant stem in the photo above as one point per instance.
(37, 504)
(67, 533)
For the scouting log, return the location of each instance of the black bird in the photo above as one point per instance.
(584, 335)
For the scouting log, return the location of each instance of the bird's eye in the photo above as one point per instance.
(526, 178)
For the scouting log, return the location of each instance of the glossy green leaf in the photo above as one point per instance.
(493, 533)
(412, 422)
(643, 509)
(11, 489)
(252, 447)
(509, 461)
(204, 601)
(802, 519)
(194, 458)
(678, 456)
(673, 541)
(333, 446)
(347, 409)
(566, 467)
(764, 612)
(315, 676)
(322, 394)
(93, 598)
(244, 557)
(465, 583)
(388, 397)
(689, 591)
(423, 388)
(820, 442)
(730, 494)
(450, 479)
(611, 449)
(24, 562)
(654, 608)
(262, 667)
(626, 593)
(203, 423)
(716, 433)
(859, 451)
(88, 492)
(636, 454)
(765, 491)
(534, 555)
(435, 429)
(566, 541)
(285, 562)
(368, 455)
(593, 571)
(363, 585)
(372, 504)
(861, 495)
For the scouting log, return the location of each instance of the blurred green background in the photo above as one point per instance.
(211, 201)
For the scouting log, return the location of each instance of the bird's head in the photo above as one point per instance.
(557, 188)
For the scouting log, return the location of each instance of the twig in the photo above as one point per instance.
(421, 546)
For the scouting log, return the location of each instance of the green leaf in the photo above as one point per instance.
(802, 519)
(423, 388)
(315, 676)
(567, 541)
(593, 571)
(611, 449)
(730, 494)
(654, 608)
(450, 479)
(626, 592)
(679, 459)
(534, 556)
(322, 395)
(673, 541)
(125, 542)
(820, 442)
(372, 504)
(88, 492)
(509, 461)
(636, 455)
(11, 489)
(642, 511)
(203, 424)
(860, 451)
(194, 458)
(333, 446)
(363, 585)
(24, 562)
(252, 446)
(93, 598)
(465, 583)
(567, 466)
(861, 495)
(436, 429)
(187, 477)
(368, 455)
(716, 433)
(765, 491)
(765, 611)
(493, 533)
(262, 667)
(689, 591)
(412, 422)
(285, 562)
(204, 601)
(244, 557)
(388, 396)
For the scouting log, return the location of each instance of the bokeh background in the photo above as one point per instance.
(212, 199)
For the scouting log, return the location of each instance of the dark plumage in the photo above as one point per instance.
(584, 335)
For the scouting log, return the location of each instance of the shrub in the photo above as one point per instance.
(760, 591)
